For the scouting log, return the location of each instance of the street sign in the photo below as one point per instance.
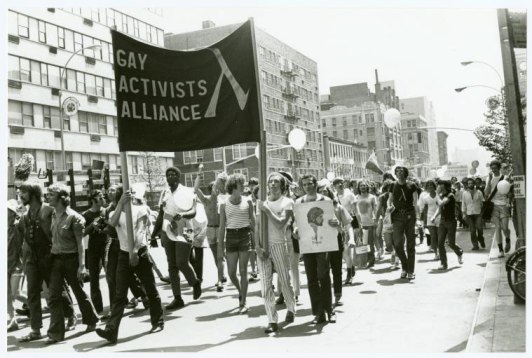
(518, 23)
(519, 186)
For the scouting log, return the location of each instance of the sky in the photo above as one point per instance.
(420, 48)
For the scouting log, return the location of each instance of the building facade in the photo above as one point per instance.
(289, 89)
(423, 107)
(364, 125)
(415, 144)
(345, 158)
(442, 148)
(41, 42)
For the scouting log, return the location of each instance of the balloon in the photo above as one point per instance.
(475, 164)
(472, 171)
(138, 190)
(330, 176)
(433, 174)
(297, 139)
(503, 187)
(392, 117)
(440, 172)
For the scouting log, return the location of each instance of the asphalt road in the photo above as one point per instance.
(381, 313)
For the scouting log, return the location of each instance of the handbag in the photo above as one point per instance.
(362, 246)
(487, 206)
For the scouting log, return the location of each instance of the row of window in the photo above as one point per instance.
(368, 118)
(286, 64)
(24, 114)
(277, 82)
(123, 23)
(40, 73)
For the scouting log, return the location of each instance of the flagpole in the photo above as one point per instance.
(125, 186)
(262, 145)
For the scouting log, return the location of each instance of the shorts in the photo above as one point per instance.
(212, 235)
(500, 212)
(238, 240)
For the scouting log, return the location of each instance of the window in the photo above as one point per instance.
(102, 125)
(409, 136)
(90, 83)
(191, 177)
(107, 87)
(83, 122)
(13, 66)
(35, 72)
(42, 31)
(80, 82)
(99, 86)
(53, 76)
(345, 134)
(15, 155)
(371, 131)
(27, 114)
(66, 123)
(115, 126)
(371, 144)
(134, 164)
(25, 71)
(47, 117)
(69, 40)
(218, 154)
(14, 112)
(70, 80)
(239, 151)
(61, 37)
(361, 133)
(85, 161)
(78, 41)
(23, 26)
(44, 74)
(49, 155)
(335, 133)
(69, 161)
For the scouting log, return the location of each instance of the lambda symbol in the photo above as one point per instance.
(241, 97)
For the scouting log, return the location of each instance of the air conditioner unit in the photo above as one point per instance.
(52, 49)
(87, 22)
(55, 91)
(14, 84)
(51, 9)
(57, 134)
(93, 99)
(90, 60)
(13, 39)
(95, 138)
(16, 130)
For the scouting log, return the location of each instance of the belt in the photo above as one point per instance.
(242, 229)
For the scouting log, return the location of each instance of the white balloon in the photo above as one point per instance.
(297, 138)
(330, 176)
(392, 117)
(440, 173)
(503, 187)
(433, 174)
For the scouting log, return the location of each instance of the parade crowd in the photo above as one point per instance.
(373, 221)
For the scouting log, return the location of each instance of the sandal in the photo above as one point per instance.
(32, 336)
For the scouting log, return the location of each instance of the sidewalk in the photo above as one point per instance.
(499, 324)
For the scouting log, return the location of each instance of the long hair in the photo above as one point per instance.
(34, 189)
(62, 191)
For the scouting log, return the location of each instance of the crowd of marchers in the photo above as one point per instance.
(373, 221)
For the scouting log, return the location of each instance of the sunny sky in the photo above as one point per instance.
(419, 48)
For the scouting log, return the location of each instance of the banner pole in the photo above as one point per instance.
(125, 186)
(262, 146)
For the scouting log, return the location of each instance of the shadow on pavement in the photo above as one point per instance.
(398, 281)
(368, 292)
(224, 314)
(436, 271)
(427, 260)
(382, 270)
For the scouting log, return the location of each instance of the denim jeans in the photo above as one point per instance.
(404, 225)
(37, 271)
(318, 282)
(178, 256)
(447, 230)
(335, 261)
(95, 260)
(476, 229)
(372, 243)
(433, 230)
(144, 272)
(65, 266)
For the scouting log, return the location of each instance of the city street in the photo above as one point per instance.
(381, 313)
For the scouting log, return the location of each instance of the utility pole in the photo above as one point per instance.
(514, 112)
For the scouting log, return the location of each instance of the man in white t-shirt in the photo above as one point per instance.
(279, 210)
(501, 206)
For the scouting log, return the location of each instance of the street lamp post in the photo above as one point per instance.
(467, 63)
(63, 72)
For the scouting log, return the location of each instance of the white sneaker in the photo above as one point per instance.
(436, 257)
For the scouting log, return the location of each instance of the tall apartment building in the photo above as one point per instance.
(289, 89)
(345, 158)
(416, 144)
(442, 148)
(423, 107)
(40, 43)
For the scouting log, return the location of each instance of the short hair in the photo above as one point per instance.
(94, 194)
(446, 183)
(405, 169)
(337, 181)
(430, 182)
(386, 185)
(313, 214)
(458, 185)
(253, 181)
(311, 177)
(353, 183)
(284, 182)
(472, 179)
(233, 180)
(34, 189)
(62, 191)
(388, 176)
(496, 162)
(173, 169)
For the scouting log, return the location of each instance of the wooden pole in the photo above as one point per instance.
(125, 186)
(514, 113)
(262, 146)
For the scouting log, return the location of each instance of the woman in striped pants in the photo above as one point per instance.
(279, 210)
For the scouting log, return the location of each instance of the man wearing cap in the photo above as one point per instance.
(36, 230)
(402, 203)
(177, 206)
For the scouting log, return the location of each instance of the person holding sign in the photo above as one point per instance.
(279, 209)
(177, 206)
(317, 263)
(237, 220)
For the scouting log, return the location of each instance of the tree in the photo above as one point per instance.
(153, 173)
(493, 135)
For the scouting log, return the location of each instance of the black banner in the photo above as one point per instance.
(186, 100)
